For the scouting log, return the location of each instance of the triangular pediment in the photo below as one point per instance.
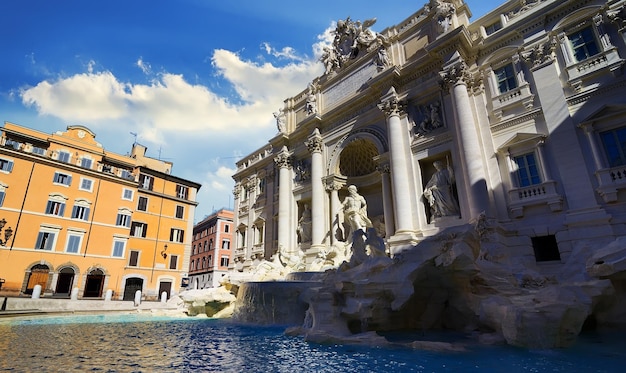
(604, 113)
(521, 138)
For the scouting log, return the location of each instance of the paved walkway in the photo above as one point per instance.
(20, 306)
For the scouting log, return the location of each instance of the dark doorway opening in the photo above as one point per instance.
(131, 286)
(94, 284)
(64, 282)
(165, 287)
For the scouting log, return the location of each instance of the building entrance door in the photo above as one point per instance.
(65, 282)
(38, 276)
(165, 287)
(130, 288)
(94, 284)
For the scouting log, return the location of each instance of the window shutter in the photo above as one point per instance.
(1, 198)
(49, 207)
(10, 166)
(49, 241)
(172, 234)
(69, 180)
(182, 234)
(39, 239)
(61, 209)
(86, 217)
(145, 230)
(75, 212)
(151, 183)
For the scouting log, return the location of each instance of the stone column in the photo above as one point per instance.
(455, 74)
(283, 162)
(332, 186)
(318, 222)
(387, 199)
(399, 162)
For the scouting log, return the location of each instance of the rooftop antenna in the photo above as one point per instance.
(134, 135)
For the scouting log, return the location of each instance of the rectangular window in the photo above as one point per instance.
(224, 262)
(39, 151)
(505, 77)
(126, 175)
(6, 165)
(583, 44)
(123, 220)
(138, 229)
(142, 204)
(86, 184)
(182, 191)
(133, 260)
(173, 261)
(64, 157)
(527, 171)
(80, 212)
(73, 243)
(176, 235)
(493, 28)
(2, 193)
(180, 212)
(45, 241)
(226, 228)
(614, 142)
(55, 208)
(225, 244)
(85, 163)
(146, 182)
(127, 194)
(61, 178)
(118, 248)
(12, 144)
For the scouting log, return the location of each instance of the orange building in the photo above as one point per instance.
(211, 249)
(79, 217)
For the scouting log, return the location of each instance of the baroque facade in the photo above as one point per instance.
(517, 117)
(84, 220)
(210, 250)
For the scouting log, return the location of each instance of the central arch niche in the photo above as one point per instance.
(357, 158)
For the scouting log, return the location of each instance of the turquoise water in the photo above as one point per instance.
(145, 343)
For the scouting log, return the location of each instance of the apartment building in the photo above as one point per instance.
(211, 249)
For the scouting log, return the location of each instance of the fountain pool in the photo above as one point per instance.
(147, 343)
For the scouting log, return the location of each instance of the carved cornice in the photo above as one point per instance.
(517, 120)
(618, 16)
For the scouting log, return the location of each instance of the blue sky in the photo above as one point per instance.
(197, 80)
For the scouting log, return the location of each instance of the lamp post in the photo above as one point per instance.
(163, 252)
(8, 233)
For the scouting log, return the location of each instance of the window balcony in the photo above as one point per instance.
(514, 97)
(538, 194)
(581, 72)
(610, 180)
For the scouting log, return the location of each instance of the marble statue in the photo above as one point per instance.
(304, 225)
(330, 60)
(280, 120)
(355, 212)
(311, 105)
(431, 118)
(439, 192)
(443, 12)
(382, 58)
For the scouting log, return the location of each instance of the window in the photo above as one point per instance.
(224, 262)
(226, 228)
(138, 229)
(63, 156)
(80, 212)
(505, 78)
(614, 142)
(176, 235)
(118, 248)
(123, 220)
(6, 165)
(206, 247)
(146, 182)
(182, 191)
(45, 240)
(527, 171)
(127, 194)
(204, 262)
(86, 163)
(126, 174)
(142, 204)
(73, 243)
(39, 151)
(86, 184)
(210, 261)
(173, 261)
(55, 208)
(583, 44)
(2, 194)
(493, 28)
(133, 259)
(193, 251)
(61, 178)
(12, 144)
(180, 211)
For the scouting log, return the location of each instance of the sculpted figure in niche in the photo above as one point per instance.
(355, 212)
(439, 192)
(304, 225)
(311, 106)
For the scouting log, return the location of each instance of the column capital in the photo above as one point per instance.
(391, 105)
(455, 74)
(283, 159)
(334, 182)
(314, 143)
(383, 168)
(542, 53)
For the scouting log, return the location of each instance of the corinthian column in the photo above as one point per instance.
(283, 162)
(455, 74)
(314, 144)
(398, 159)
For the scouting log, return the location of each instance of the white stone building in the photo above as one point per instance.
(525, 106)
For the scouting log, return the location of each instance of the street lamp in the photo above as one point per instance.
(163, 253)
(8, 233)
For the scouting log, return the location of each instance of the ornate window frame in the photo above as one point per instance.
(520, 95)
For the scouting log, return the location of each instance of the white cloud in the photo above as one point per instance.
(144, 66)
